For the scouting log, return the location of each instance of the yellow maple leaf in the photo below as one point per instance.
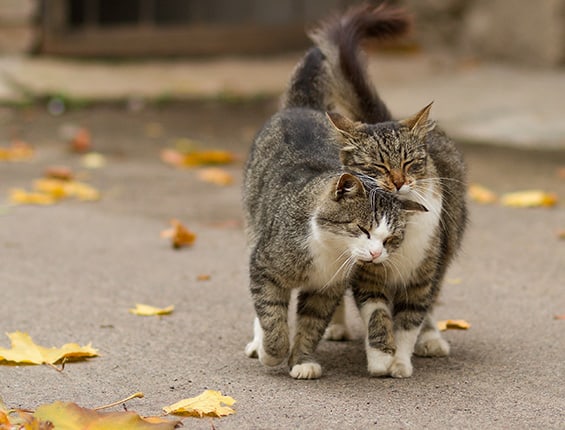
(67, 415)
(453, 325)
(529, 198)
(215, 176)
(147, 310)
(481, 194)
(24, 350)
(17, 151)
(194, 157)
(210, 403)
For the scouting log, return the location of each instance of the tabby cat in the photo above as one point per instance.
(310, 224)
(413, 159)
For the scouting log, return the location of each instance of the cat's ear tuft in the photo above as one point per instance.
(412, 206)
(342, 124)
(420, 124)
(347, 185)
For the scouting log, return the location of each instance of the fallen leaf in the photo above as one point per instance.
(195, 158)
(25, 351)
(93, 160)
(81, 141)
(561, 173)
(210, 404)
(203, 277)
(67, 415)
(530, 198)
(17, 151)
(62, 173)
(559, 317)
(147, 310)
(23, 197)
(453, 325)
(480, 194)
(179, 234)
(561, 234)
(58, 189)
(215, 176)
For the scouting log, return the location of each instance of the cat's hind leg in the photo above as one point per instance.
(271, 339)
(337, 329)
(314, 311)
(430, 343)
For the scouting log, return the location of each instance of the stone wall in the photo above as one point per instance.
(520, 31)
(18, 26)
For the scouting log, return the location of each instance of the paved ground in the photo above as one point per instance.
(71, 271)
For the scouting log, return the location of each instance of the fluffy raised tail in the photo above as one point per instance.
(334, 72)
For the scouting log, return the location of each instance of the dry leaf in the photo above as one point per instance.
(62, 173)
(530, 198)
(195, 158)
(561, 234)
(24, 350)
(81, 141)
(559, 317)
(66, 415)
(58, 188)
(480, 194)
(23, 197)
(147, 310)
(203, 277)
(17, 151)
(93, 160)
(215, 176)
(453, 325)
(561, 173)
(210, 403)
(179, 234)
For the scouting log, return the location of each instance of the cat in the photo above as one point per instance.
(308, 221)
(413, 159)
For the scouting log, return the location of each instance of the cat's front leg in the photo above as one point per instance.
(270, 338)
(379, 340)
(314, 311)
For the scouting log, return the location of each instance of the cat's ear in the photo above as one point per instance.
(342, 124)
(420, 124)
(347, 185)
(412, 206)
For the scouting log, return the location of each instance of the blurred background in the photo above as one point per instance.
(517, 30)
(496, 68)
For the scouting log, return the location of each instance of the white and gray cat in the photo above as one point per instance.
(313, 227)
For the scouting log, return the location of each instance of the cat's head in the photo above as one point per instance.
(392, 153)
(361, 220)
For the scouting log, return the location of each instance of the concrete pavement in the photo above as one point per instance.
(70, 272)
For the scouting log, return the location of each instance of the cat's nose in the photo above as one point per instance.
(375, 253)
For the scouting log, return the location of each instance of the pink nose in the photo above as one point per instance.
(375, 254)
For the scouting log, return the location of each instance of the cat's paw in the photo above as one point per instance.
(337, 332)
(378, 362)
(401, 368)
(306, 371)
(269, 360)
(431, 345)
(251, 349)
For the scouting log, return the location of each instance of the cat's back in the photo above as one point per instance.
(293, 149)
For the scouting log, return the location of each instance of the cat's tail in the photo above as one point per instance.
(335, 71)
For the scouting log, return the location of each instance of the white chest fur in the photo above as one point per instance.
(419, 232)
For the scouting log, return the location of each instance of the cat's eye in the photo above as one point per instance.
(365, 231)
(414, 165)
(382, 168)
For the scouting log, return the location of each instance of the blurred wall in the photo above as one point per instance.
(18, 26)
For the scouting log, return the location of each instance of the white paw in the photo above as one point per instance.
(378, 362)
(400, 368)
(306, 371)
(251, 349)
(432, 346)
(336, 332)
